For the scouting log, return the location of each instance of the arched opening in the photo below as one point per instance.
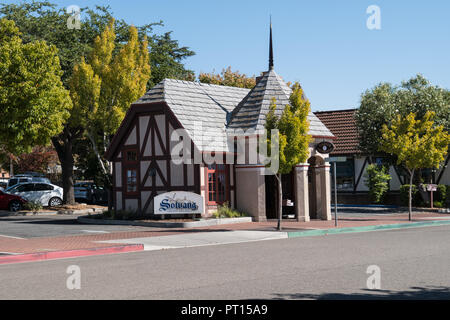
(313, 181)
(271, 185)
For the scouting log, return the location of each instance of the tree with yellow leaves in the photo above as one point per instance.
(228, 78)
(293, 138)
(105, 84)
(418, 144)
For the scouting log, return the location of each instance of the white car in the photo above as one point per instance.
(45, 193)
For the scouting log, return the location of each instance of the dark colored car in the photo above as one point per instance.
(11, 202)
(90, 192)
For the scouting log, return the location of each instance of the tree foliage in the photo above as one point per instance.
(104, 87)
(380, 105)
(293, 126)
(377, 180)
(33, 101)
(293, 137)
(228, 78)
(38, 160)
(416, 143)
(42, 20)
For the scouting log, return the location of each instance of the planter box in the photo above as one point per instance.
(162, 224)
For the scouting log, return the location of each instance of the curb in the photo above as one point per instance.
(40, 256)
(193, 224)
(321, 232)
(53, 213)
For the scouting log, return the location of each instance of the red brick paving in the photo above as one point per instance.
(34, 245)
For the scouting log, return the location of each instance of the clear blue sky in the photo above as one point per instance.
(324, 44)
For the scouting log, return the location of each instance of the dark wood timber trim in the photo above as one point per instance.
(366, 160)
(443, 169)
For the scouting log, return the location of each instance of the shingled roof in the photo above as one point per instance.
(218, 108)
(210, 105)
(342, 124)
(252, 110)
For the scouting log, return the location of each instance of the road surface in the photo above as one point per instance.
(414, 263)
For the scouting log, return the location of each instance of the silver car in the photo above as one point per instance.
(44, 193)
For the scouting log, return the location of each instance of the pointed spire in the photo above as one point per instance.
(270, 47)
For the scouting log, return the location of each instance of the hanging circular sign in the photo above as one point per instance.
(325, 147)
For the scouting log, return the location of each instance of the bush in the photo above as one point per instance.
(438, 204)
(224, 211)
(34, 206)
(441, 193)
(120, 215)
(377, 180)
(404, 195)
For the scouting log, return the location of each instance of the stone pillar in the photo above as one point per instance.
(301, 192)
(324, 192)
(251, 191)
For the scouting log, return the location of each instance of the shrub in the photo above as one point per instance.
(441, 193)
(33, 206)
(124, 215)
(438, 204)
(404, 195)
(377, 181)
(224, 211)
(446, 200)
(107, 214)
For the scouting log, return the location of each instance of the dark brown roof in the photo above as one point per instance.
(342, 124)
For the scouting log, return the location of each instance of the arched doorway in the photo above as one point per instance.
(313, 182)
(271, 185)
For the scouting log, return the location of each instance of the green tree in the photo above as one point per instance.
(380, 105)
(293, 138)
(417, 144)
(33, 101)
(42, 20)
(228, 78)
(377, 180)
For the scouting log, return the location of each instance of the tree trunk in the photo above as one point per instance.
(64, 148)
(65, 156)
(280, 201)
(411, 174)
(11, 168)
(106, 172)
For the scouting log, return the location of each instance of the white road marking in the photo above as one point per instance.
(95, 231)
(2, 235)
(201, 239)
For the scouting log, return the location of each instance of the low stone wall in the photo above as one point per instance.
(162, 224)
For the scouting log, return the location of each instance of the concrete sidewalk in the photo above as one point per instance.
(201, 239)
(159, 238)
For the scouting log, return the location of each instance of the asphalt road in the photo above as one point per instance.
(53, 226)
(414, 263)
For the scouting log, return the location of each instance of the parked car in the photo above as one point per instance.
(23, 178)
(11, 202)
(45, 193)
(90, 192)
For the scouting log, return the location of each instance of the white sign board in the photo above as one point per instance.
(178, 202)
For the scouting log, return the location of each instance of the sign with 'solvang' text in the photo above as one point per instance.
(178, 202)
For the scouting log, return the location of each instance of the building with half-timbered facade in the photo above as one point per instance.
(201, 117)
